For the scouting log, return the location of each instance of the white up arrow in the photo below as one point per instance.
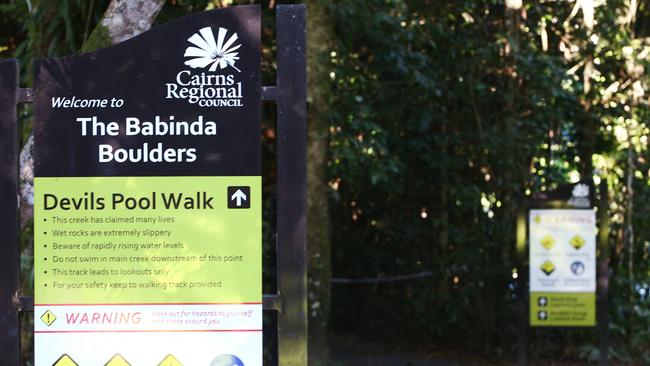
(239, 196)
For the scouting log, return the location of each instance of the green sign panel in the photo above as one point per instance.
(562, 309)
(147, 239)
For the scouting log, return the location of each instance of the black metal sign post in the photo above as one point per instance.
(521, 286)
(291, 99)
(290, 301)
(603, 273)
(9, 327)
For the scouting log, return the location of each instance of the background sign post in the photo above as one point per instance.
(569, 210)
(603, 273)
(562, 252)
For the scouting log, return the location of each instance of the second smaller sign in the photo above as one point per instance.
(562, 267)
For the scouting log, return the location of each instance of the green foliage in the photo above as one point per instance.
(99, 38)
(447, 114)
(12, 16)
(55, 28)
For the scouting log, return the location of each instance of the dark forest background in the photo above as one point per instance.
(431, 123)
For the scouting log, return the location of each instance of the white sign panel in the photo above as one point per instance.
(562, 250)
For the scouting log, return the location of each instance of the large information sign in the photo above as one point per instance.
(148, 198)
(562, 267)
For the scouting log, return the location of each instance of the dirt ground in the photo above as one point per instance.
(348, 350)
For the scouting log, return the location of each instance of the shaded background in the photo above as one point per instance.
(430, 123)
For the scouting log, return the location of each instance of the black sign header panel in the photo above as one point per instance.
(182, 99)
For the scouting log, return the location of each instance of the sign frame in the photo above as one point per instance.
(561, 199)
(290, 300)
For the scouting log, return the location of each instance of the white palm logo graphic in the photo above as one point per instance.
(580, 190)
(207, 51)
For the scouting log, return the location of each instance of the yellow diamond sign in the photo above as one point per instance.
(547, 267)
(170, 360)
(117, 360)
(577, 242)
(65, 360)
(48, 318)
(547, 242)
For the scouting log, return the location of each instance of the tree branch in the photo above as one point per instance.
(122, 20)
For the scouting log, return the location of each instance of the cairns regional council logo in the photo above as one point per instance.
(212, 82)
(580, 196)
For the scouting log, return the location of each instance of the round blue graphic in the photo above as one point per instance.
(227, 360)
(577, 268)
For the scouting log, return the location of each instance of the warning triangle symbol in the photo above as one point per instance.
(117, 360)
(65, 360)
(170, 360)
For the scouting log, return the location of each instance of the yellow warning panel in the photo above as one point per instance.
(170, 360)
(48, 318)
(117, 360)
(547, 242)
(65, 360)
(577, 242)
(548, 267)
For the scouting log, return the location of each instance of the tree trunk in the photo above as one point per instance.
(318, 227)
(122, 20)
(589, 124)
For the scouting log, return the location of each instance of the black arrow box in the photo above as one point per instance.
(244, 203)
